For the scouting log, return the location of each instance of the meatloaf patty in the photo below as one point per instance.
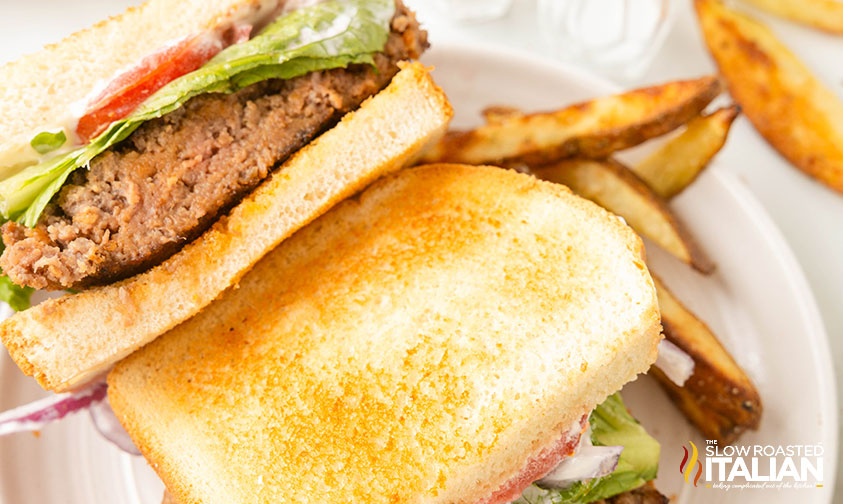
(143, 199)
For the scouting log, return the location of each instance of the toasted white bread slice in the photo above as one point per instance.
(66, 341)
(38, 89)
(416, 344)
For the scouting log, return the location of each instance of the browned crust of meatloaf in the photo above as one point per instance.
(142, 200)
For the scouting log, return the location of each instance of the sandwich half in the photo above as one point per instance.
(163, 154)
(453, 334)
(188, 146)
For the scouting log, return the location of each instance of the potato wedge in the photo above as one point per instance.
(826, 15)
(593, 129)
(792, 109)
(677, 163)
(612, 186)
(719, 398)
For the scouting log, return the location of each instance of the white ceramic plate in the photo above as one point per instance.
(757, 302)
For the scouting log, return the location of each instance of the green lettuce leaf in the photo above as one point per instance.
(320, 37)
(611, 425)
(17, 296)
(48, 142)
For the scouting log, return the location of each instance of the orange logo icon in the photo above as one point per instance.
(686, 467)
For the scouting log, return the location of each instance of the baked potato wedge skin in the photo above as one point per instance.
(614, 187)
(826, 15)
(591, 129)
(797, 114)
(677, 163)
(719, 398)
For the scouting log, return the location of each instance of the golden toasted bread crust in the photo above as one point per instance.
(65, 341)
(416, 344)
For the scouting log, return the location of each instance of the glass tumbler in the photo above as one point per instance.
(616, 38)
(474, 10)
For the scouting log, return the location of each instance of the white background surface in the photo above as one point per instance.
(809, 215)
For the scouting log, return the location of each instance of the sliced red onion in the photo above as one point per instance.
(674, 362)
(107, 424)
(36, 415)
(588, 463)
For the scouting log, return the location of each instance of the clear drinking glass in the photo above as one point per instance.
(474, 10)
(617, 38)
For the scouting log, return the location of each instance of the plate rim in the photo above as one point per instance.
(792, 273)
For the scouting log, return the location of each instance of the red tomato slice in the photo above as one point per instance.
(538, 466)
(133, 87)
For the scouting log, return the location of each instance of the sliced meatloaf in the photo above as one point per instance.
(142, 200)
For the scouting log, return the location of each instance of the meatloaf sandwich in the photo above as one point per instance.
(150, 160)
(144, 197)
